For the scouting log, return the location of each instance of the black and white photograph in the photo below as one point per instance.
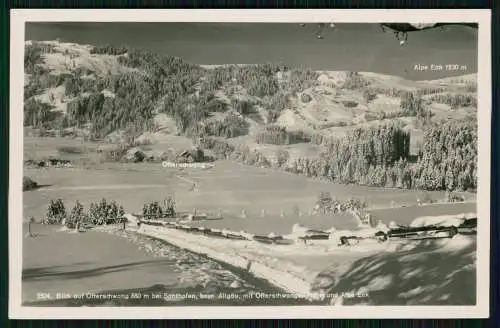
(216, 165)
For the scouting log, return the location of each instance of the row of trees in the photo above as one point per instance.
(155, 210)
(240, 153)
(75, 84)
(354, 80)
(327, 205)
(56, 212)
(104, 212)
(449, 157)
(182, 90)
(383, 145)
(412, 102)
(221, 148)
(99, 213)
(169, 77)
(456, 100)
(191, 111)
(33, 55)
(230, 127)
(43, 79)
(278, 135)
(394, 92)
(109, 50)
(131, 105)
(355, 172)
(243, 107)
(273, 84)
(250, 76)
(39, 77)
(380, 156)
(39, 114)
(136, 93)
(245, 155)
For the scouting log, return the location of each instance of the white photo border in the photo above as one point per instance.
(21, 16)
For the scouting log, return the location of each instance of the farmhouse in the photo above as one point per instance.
(54, 162)
(191, 155)
(185, 156)
(135, 155)
(57, 162)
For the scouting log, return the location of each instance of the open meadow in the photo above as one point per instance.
(229, 188)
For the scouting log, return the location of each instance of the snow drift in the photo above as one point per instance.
(427, 272)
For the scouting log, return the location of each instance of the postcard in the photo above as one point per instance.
(249, 164)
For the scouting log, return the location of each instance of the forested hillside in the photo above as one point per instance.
(365, 125)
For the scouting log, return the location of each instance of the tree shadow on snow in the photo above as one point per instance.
(425, 275)
(59, 272)
(38, 186)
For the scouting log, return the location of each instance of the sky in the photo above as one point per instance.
(353, 47)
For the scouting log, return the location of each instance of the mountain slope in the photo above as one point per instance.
(410, 134)
(323, 102)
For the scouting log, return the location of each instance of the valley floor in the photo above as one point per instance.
(62, 262)
(227, 187)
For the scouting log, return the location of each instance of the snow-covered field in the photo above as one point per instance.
(111, 261)
(426, 272)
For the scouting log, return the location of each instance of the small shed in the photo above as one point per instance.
(135, 155)
(192, 155)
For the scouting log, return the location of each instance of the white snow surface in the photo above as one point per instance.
(442, 220)
(426, 270)
(131, 219)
